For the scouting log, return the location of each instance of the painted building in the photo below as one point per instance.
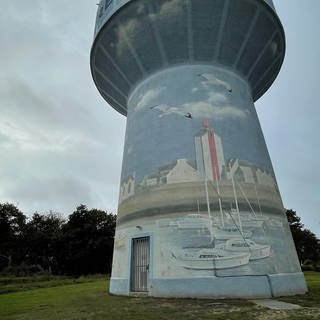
(247, 172)
(182, 172)
(202, 216)
(177, 172)
(127, 188)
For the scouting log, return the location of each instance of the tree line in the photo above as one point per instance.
(306, 242)
(83, 243)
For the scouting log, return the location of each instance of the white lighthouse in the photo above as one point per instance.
(209, 153)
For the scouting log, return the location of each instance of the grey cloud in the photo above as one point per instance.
(57, 139)
(51, 193)
(73, 137)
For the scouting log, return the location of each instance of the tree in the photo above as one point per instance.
(87, 241)
(306, 242)
(41, 235)
(81, 245)
(12, 224)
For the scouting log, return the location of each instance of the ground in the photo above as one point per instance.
(87, 298)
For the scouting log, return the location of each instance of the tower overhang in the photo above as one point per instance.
(136, 38)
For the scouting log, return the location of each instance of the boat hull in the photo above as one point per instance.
(257, 251)
(212, 261)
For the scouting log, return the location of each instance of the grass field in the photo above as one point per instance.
(87, 298)
(14, 284)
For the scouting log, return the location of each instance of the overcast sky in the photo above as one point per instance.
(61, 145)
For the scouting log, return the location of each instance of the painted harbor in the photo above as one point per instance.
(207, 197)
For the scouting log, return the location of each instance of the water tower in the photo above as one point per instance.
(200, 214)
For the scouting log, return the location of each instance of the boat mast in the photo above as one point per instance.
(219, 199)
(247, 201)
(255, 188)
(236, 201)
(208, 206)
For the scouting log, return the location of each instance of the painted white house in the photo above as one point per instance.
(243, 171)
(264, 178)
(150, 180)
(182, 172)
(178, 171)
(127, 188)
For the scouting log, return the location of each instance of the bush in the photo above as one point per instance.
(310, 265)
(24, 270)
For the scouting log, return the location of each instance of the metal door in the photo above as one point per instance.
(140, 256)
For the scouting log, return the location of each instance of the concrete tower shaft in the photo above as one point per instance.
(200, 213)
(134, 39)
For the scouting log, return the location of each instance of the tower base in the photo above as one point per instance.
(244, 287)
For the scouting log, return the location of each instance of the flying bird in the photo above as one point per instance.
(210, 78)
(166, 110)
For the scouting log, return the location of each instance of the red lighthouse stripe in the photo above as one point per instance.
(205, 123)
(213, 155)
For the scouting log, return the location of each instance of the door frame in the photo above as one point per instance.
(150, 271)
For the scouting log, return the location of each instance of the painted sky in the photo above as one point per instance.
(158, 122)
(61, 145)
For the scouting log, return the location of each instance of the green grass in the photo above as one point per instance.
(13, 284)
(312, 298)
(89, 300)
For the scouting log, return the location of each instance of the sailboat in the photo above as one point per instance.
(230, 232)
(257, 251)
(210, 258)
(252, 216)
(193, 221)
(243, 244)
(247, 221)
(234, 227)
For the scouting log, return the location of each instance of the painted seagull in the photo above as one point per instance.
(213, 80)
(166, 110)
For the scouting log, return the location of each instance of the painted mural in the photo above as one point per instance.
(197, 177)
